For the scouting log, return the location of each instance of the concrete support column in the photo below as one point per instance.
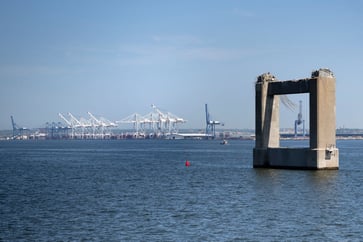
(267, 123)
(322, 112)
(322, 120)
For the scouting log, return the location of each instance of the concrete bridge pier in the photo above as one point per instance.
(322, 152)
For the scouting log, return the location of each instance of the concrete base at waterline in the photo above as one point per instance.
(296, 158)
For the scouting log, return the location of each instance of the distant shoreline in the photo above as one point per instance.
(338, 137)
(119, 134)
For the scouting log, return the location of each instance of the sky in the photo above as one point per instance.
(115, 58)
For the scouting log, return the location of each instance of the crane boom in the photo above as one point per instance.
(13, 123)
(94, 118)
(158, 111)
(74, 119)
(65, 120)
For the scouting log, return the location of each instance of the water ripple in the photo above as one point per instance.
(141, 190)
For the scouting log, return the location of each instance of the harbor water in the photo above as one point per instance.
(141, 190)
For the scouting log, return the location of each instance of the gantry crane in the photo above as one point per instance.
(168, 121)
(17, 131)
(210, 124)
(300, 121)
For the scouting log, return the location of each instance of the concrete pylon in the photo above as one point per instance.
(322, 153)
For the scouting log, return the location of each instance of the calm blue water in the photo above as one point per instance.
(136, 190)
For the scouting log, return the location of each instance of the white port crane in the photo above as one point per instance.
(168, 120)
(156, 122)
(69, 123)
(78, 126)
(100, 124)
(135, 119)
(88, 128)
(150, 120)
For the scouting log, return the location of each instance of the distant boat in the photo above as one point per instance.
(224, 142)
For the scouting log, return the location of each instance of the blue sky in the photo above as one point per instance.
(114, 58)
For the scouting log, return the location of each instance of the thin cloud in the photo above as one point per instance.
(30, 70)
(213, 54)
(177, 39)
(180, 47)
(243, 13)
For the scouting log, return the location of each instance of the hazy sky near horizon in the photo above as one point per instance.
(115, 58)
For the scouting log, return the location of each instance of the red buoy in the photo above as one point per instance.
(187, 163)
